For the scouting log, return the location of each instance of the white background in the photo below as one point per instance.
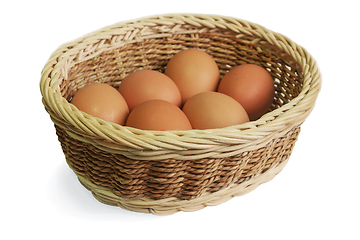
(316, 196)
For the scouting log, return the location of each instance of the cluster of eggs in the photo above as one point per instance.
(188, 95)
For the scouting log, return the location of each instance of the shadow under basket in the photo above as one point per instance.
(163, 172)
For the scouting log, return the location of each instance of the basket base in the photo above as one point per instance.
(172, 205)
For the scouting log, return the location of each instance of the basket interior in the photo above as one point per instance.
(113, 65)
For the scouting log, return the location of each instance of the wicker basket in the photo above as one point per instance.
(163, 172)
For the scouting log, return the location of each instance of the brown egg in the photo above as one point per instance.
(252, 86)
(102, 101)
(144, 85)
(193, 71)
(158, 115)
(210, 110)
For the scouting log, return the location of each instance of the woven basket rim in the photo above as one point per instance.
(282, 119)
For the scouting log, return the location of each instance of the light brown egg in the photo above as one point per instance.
(158, 115)
(209, 110)
(193, 71)
(102, 101)
(252, 86)
(144, 85)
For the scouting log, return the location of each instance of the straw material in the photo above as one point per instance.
(146, 171)
(169, 206)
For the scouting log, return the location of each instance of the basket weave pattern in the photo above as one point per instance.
(171, 178)
(121, 164)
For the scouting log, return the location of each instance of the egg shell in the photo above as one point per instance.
(102, 101)
(158, 115)
(144, 85)
(252, 86)
(209, 110)
(193, 71)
